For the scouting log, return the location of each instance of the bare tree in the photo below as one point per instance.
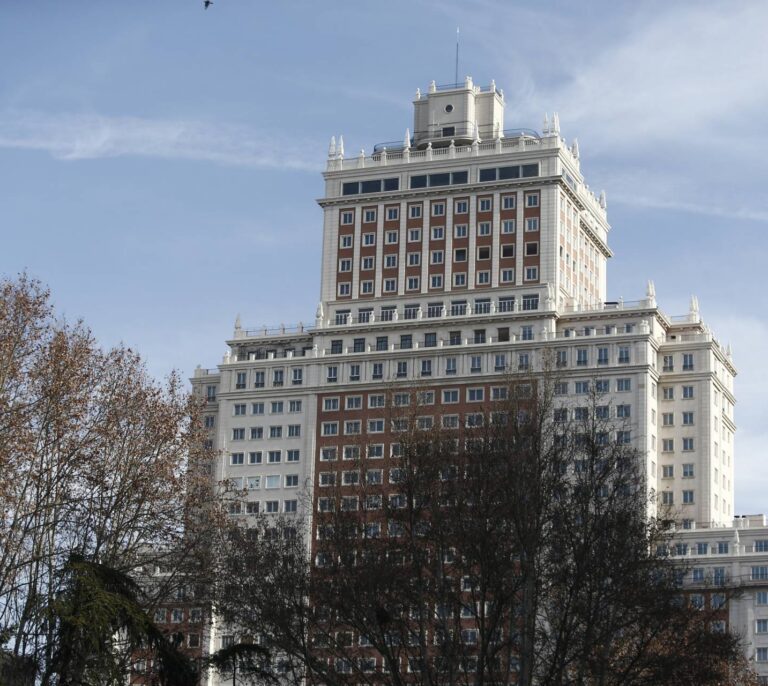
(516, 545)
(97, 460)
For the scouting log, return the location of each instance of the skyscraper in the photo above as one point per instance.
(461, 252)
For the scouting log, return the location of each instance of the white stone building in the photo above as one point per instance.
(450, 257)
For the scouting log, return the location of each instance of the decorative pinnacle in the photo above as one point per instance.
(407, 140)
(340, 147)
(545, 125)
(332, 147)
(575, 148)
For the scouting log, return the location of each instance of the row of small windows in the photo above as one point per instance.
(275, 407)
(258, 457)
(259, 381)
(437, 233)
(269, 481)
(257, 432)
(456, 308)
(623, 385)
(438, 208)
(602, 357)
(370, 186)
(668, 471)
(441, 179)
(668, 392)
(438, 257)
(523, 171)
(723, 548)
(668, 497)
(413, 283)
(668, 445)
(668, 363)
(668, 418)
(622, 411)
(290, 506)
(447, 396)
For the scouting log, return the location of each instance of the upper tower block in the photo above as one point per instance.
(462, 113)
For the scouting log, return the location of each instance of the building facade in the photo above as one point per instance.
(448, 259)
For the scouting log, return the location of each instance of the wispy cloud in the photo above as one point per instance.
(93, 136)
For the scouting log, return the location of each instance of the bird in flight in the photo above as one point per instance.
(207, 3)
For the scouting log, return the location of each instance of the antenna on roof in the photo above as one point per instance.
(456, 75)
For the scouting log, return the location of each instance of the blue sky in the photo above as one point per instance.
(159, 163)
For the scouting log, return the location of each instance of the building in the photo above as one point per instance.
(728, 567)
(449, 258)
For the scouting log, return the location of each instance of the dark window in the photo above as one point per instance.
(439, 179)
(484, 253)
(352, 188)
(430, 340)
(336, 347)
(509, 172)
(391, 184)
(479, 335)
(371, 186)
(419, 181)
(382, 343)
(406, 341)
(455, 337)
(460, 177)
(359, 345)
(503, 334)
(530, 170)
(487, 175)
(449, 131)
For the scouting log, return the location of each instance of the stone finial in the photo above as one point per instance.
(467, 82)
(728, 350)
(493, 86)
(545, 125)
(340, 147)
(332, 148)
(555, 128)
(432, 87)
(694, 308)
(501, 94)
(575, 148)
(407, 139)
(603, 200)
(650, 291)
(418, 94)
(238, 324)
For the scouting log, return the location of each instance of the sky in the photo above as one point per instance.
(159, 163)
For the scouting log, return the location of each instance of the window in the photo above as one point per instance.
(602, 385)
(291, 480)
(292, 456)
(687, 444)
(375, 426)
(508, 202)
(668, 498)
(438, 233)
(687, 392)
(530, 302)
(238, 434)
(414, 211)
(667, 471)
(532, 248)
(438, 209)
(257, 433)
(581, 387)
(345, 265)
(667, 445)
(255, 457)
(460, 207)
(722, 548)
(393, 213)
(687, 418)
(624, 354)
(345, 289)
(687, 362)
(274, 457)
(475, 395)
(298, 376)
(460, 231)
(688, 497)
(460, 279)
(688, 471)
(413, 283)
(241, 380)
(369, 216)
(668, 364)
(275, 431)
(272, 506)
(450, 396)
(332, 374)
(623, 411)
(623, 385)
(761, 597)
(760, 574)
(476, 364)
(484, 229)
(531, 199)
(237, 459)
(484, 205)
(294, 430)
(668, 393)
(450, 365)
(532, 224)
(239, 409)
(623, 437)
(352, 427)
(330, 428)
(345, 241)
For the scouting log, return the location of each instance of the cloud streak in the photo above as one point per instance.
(93, 136)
